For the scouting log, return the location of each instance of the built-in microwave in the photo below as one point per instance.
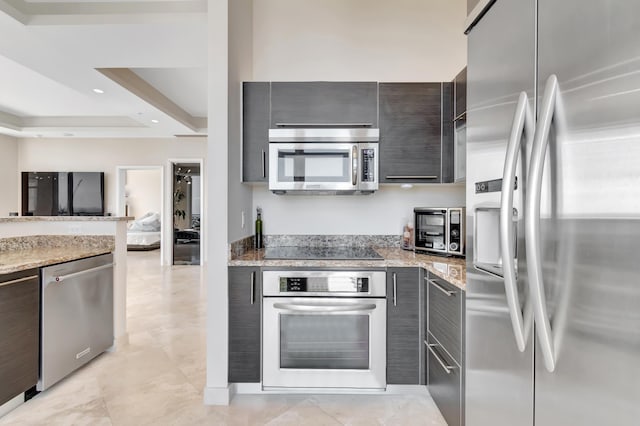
(440, 230)
(323, 160)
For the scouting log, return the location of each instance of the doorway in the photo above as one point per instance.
(140, 195)
(187, 212)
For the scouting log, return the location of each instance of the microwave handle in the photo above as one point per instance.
(354, 165)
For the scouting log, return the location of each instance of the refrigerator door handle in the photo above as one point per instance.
(522, 122)
(532, 222)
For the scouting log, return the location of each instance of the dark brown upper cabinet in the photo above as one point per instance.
(414, 144)
(255, 131)
(324, 103)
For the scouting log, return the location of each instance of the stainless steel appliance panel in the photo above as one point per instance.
(499, 377)
(76, 314)
(327, 283)
(585, 272)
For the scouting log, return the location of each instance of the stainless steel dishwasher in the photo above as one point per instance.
(76, 314)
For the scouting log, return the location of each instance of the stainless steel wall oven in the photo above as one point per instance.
(324, 329)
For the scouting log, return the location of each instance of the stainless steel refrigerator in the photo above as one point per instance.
(553, 214)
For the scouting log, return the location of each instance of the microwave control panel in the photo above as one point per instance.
(368, 165)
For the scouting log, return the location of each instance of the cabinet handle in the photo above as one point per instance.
(463, 115)
(253, 286)
(442, 289)
(447, 368)
(411, 177)
(354, 165)
(264, 164)
(395, 289)
(324, 125)
(19, 280)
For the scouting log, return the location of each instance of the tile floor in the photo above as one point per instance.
(158, 377)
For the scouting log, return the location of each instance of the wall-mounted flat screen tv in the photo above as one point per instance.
(62, 193)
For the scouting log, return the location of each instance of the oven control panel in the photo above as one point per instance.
(324, 284)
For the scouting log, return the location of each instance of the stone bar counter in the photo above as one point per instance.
(35, 241)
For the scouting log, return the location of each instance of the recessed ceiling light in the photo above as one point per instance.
(154, 121)
(100, 91)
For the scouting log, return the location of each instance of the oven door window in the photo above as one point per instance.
(314, 165)
(325, 342)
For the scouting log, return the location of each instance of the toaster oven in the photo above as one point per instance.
(440, 230)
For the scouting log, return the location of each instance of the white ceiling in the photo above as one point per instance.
(50, 51)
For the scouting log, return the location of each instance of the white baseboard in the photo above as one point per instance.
(407, 390)
(247, 388)
(218, 396)
(256, 388)
(12, 404)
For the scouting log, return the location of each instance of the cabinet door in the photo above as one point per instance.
(445, 315)
(448, 143)
(403, 326)
(245, 298)
(410, 132)
(460, 93)
(19, 333)
(460, 126)
(255, 131)
(445, 383)
(324, 103)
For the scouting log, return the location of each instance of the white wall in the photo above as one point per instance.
(347, 40)
(104, 155)
(376, 40)
(381, 213)
(240, 69)
(9, 176)
(143, 191)
(217, 186)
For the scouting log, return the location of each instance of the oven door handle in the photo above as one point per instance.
(324, 307)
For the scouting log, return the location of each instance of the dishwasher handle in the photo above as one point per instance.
(61, 278)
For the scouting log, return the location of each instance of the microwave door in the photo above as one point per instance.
(313, 166)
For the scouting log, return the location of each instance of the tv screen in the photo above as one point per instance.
(62, 193)
(87, 193)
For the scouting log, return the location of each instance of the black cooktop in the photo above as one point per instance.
(321, 253)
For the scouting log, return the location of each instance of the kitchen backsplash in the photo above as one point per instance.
(240, 247)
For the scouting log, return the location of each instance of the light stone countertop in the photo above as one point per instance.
(21, 260)
(65, 219)
(22, 253)
(452, 270)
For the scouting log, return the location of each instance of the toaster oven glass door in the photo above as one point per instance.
(431, 230)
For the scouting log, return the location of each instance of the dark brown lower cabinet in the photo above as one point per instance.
(245, 299)
(444, 342)
(445, 382)
(19, 332)
(403, 326)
